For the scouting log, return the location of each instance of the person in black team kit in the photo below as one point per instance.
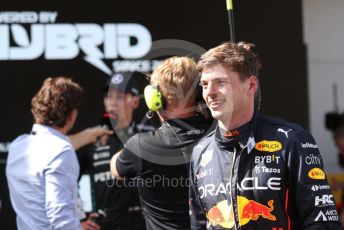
(159, 160)
(117, 205)
(253, 171)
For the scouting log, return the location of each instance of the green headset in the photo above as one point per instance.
(153, 97)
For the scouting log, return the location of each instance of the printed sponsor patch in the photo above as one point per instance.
(320, 187)
(264, 169)
(206, 157)
(268, 146)
(316, 173)
(323, 200)
(284, 131)
(329, 215)
(312, 159)
(222, 214)
(267, 159)
(256, 183)
(252, 210)
(309, 145)
(204, 173)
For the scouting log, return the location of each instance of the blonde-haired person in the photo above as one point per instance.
(159, 160)
(174, 78)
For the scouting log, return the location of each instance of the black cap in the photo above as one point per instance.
(123, 82)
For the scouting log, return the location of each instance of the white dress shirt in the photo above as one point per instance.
(42, 172)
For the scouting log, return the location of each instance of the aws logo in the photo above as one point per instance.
(268, 146)
(316, 173)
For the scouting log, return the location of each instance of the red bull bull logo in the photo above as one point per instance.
(221, 214)
(252, 210)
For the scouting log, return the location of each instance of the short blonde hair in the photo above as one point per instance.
(177, 79)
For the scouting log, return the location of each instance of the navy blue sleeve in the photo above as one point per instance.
(129, 162)
(309, 189)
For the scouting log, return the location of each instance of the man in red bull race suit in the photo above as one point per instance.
(253, 171)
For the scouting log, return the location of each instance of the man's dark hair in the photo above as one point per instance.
(55, 100)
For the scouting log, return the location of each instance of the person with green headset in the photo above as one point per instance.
(159, 160)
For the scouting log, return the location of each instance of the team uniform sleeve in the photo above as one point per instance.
(313, 204)
(197, 217)
(129, 162)
(61, 191)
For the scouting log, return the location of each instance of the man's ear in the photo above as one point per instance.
(253, 84)
(135, 102)
(73, 115)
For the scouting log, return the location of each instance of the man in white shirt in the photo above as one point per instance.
(42, 168)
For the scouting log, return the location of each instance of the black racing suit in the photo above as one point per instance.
(160, 162)
(110, 196)
(267, 174)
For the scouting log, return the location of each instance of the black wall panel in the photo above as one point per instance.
(274, 26)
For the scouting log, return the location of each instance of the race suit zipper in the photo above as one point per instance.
(230, 188)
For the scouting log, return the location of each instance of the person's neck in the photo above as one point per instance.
(64, 130)
(122, 125)
(178, 112)
(236, 121)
